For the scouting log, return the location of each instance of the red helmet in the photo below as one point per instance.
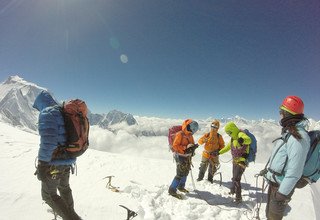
(293, 105)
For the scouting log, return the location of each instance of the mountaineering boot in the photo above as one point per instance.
(237, 200)
(210, 180)
(231, 191)
(184, 190)
(175, 194)
(199, 179)
(200, 176)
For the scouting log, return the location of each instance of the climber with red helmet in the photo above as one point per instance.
(288, 157)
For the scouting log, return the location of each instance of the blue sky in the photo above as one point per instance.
(176, 59)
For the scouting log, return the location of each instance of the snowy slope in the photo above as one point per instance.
(143, 182)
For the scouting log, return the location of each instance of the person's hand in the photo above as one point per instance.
(191, 148)
(263, 172)
(190, 145)
(281, 197)
(240, 141)
(42, 172)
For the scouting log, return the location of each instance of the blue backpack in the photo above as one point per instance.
(253, 146)
(311, 170)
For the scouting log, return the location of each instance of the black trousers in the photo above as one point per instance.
(237, 171)
(57, 179)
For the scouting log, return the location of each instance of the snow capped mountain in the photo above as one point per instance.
(16, 99)
(116, 117)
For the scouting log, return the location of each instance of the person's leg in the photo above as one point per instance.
(183, 171)
(268, 202)
(181, 174)
(50, 196)
(213, 167)
(202, 168)
(276, 204)
(237, 174)
(66, 192)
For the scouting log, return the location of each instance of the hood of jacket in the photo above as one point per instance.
(232, 130)
(44, 100)
(184, 126)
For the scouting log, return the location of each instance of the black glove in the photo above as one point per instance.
(60, 153)
(42, 172)
(191, 148)
(282, 198)
(245, 155)
(240, 141)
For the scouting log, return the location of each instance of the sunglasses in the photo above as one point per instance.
(214, 126)
(229, 133)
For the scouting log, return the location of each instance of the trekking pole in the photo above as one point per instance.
(193, 183)
(130, 214)
(220, 174)
(259, 203)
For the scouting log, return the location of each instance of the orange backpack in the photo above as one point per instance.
(77, 127)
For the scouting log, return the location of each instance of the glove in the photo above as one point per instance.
(190, 149)
(190, 145)
(245, 155)
(42, 172)
(281, 198)
(240, 141)
(263, 172)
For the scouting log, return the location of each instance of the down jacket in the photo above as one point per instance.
(51, 129)
(288, 159)
(183, 138)
(213, 141)
(232, 130)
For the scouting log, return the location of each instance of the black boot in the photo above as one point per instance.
(200, 176)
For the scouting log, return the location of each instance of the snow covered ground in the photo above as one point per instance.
(143, 182)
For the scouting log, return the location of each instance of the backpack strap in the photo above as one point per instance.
(285, 139)
(274, 173)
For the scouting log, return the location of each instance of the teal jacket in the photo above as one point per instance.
(287, 160)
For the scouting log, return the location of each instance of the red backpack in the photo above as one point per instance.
(77, 127)
(172, 134)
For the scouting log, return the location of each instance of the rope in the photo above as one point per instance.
(225, 161)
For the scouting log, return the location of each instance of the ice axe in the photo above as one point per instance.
(130, 214)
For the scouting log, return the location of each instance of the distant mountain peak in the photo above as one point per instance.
(15, 78)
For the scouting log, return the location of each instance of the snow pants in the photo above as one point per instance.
(182, 171)
(57, 179)
(237, 171)
(213, 163)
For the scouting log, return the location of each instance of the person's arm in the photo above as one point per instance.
(203, 139)
(225, 149)
(48, 131)
(221, 142)
(297, 154)
(177, 143)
